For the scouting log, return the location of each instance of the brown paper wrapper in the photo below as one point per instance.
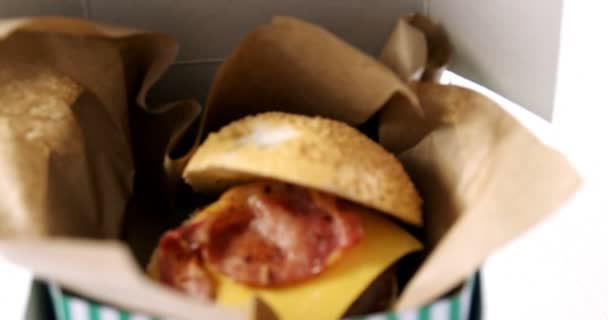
(484, 178)
(66, 94)
(297, 67)
(417, 49)
(85, 157)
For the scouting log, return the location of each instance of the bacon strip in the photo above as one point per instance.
(263, 234)
(180, 266)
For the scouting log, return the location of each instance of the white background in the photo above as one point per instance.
(559, 270)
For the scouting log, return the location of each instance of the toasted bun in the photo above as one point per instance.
(314, 152)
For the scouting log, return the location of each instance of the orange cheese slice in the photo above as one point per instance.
(329, 295)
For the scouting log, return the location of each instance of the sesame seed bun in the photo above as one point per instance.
(314, 152)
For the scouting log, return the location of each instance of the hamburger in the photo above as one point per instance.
(308, 219)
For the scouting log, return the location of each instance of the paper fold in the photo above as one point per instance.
(84, 152)
(104, 167)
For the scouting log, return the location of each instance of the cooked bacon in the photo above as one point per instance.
(180, 265)
(263, 234)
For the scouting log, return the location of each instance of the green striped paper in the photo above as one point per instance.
(71, 307)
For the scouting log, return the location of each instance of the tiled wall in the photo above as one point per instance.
(211, 28)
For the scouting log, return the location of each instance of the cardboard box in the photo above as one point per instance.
(203, 51)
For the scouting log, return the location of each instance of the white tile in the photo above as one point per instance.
(13, 8)
(212, 28)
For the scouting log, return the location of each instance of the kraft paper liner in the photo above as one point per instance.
(417, 49)
(405, 51)
(437, 43)
(104, 72)
(290, 65)
(104, 270)
(484, 178)
(88, 157)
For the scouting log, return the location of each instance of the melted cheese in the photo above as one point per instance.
(330, 294)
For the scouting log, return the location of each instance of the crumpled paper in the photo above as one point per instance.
(483, 177)
(84, 160)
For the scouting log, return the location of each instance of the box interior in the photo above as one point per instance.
(511, 47)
